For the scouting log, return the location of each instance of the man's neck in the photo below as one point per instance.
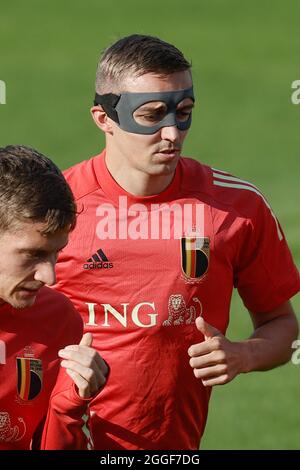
(135, 181)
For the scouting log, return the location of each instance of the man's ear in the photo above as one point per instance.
(101, 119)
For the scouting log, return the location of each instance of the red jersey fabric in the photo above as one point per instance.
(67, 422)
(30, 339)
(140, 297)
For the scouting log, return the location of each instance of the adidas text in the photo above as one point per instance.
(99, 265)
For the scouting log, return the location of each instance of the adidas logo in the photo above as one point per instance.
(98, 260)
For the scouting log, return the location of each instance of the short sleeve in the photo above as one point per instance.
(266, 275)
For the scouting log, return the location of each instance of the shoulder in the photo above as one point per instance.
(82, 177)
(58, 308)
(223, 190)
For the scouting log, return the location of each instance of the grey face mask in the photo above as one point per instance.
(125, 109)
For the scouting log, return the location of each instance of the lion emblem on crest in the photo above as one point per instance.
(7, 432)
(179, 313)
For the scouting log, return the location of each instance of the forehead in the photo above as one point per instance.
(29, 235)
(150, 82)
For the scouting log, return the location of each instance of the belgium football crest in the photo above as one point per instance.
(194, 256)
(30, 377)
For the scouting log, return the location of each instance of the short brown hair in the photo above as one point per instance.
(32, 188)
(137, 55)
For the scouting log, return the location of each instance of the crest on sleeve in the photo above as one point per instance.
(194, 256)
(30, 377)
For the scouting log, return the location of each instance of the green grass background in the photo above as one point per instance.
(245, 56)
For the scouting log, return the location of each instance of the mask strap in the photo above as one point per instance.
(108, 102)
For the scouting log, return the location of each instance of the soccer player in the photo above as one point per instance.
(160, 243)
(37, 211)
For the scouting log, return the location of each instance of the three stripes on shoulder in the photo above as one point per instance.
(221, 178)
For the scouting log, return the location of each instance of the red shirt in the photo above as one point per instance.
(30, 339)
(140, 297)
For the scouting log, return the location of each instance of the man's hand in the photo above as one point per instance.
(216, 360)
(85, 366)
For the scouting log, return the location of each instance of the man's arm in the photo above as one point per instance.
(83, 375)
(216, 360)
(270, 344)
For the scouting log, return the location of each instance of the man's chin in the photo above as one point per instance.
(164, 168)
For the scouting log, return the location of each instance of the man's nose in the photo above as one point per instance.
(171, 133)
(45, 273)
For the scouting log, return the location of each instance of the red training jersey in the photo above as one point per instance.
(30, 339)
(139, 280)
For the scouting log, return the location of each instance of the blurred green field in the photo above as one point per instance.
(245, 56)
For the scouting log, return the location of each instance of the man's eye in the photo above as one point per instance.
(150, 118)
(153, 117)
(33, 256)
(183, 115)
(28, 258)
